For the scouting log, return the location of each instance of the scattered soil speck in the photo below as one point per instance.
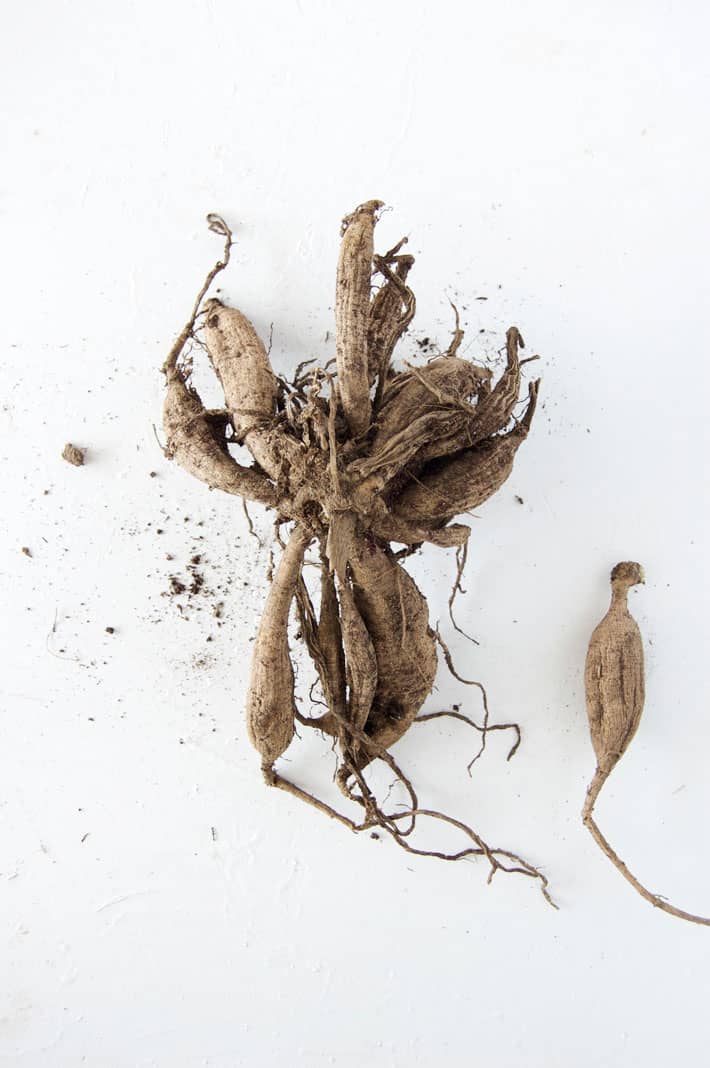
(197, 583)
(426, 344)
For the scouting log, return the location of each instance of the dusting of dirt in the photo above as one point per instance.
(427, 345)
(176, 586)
(189, 587)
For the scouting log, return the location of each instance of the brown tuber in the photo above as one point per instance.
(615, 692)
(352, 458)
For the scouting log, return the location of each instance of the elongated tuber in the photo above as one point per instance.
(615, 691)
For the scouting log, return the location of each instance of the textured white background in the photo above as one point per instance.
(551, 158)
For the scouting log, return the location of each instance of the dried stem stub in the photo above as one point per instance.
(352, 459)
(615, 693)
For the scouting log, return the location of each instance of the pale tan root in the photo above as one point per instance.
(495, 410)
(614, 676)
(352, 306)
(450, 486)
(397, 620)
(340, 647)
(391, 311)
(446, 385)
(429, 408)
(392, 527)
(196, 440)
(492, 413)
(271, 708)
(324, 640)
(331, 642)
(242, 366)
(360, 660)
(241, 362)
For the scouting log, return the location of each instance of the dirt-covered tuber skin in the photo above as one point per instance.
(354, 457)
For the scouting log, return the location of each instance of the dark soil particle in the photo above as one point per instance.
(197, 583)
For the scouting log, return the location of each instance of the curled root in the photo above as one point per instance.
(455, 714)
(374, 816)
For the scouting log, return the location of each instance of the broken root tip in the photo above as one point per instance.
(217, 225)
(270, 776)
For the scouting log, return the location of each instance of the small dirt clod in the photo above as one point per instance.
(73, 455)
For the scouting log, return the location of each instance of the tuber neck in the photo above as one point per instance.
(619, 596)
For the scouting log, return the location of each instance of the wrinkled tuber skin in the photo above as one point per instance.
(352, 314)
(614, 677)
(448, 486)
(391, 312)
(196, 439)
(271, 707)
(395, 614)
(331, 641)
(356, 459)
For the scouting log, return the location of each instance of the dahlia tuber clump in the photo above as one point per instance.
(352, 458)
